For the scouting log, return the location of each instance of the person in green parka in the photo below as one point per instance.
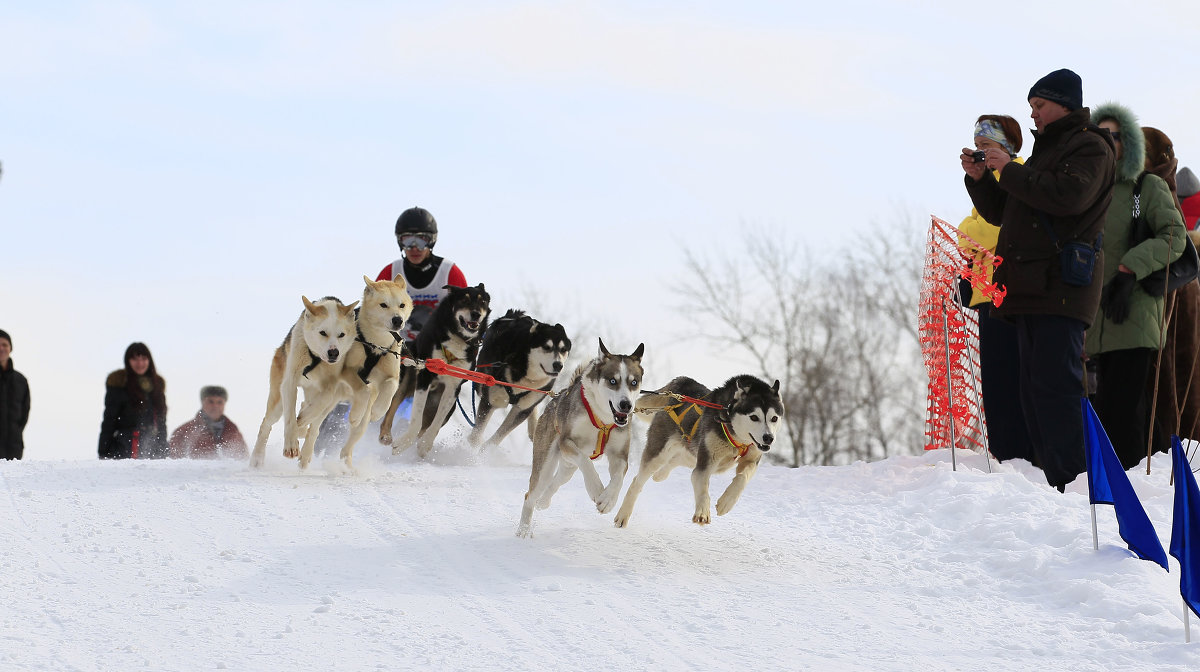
(1127, 331)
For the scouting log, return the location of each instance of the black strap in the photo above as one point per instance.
(315, 361)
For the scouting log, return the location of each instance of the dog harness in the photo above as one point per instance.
(679, 419)
(315, 361)
(605, 430)
(375, 352)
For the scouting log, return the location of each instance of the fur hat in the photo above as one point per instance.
(1187, 182)
(213, 391)
(1133, 142)
(1159, 149)
(1061, 86)
(5, 336)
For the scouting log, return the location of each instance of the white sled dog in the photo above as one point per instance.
(452, 333)
(520, 350)
(311, 358)
(707, 440)
(372, 367)
(588, 419)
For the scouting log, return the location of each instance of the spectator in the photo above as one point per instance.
(1060, 195)
(1008, 438)
(14, 403)
(1176, 406)
(426, 275)
(135, 409)
(1127, 331)
(1188, 186)
(210, 434)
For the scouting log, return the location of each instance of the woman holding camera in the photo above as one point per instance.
(1008, 437)
(1127, 331)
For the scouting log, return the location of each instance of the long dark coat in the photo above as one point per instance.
(128, 417)
(14, 412)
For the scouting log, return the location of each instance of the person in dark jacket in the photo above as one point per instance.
(14, 403)
(1059, 196)
(135, 409)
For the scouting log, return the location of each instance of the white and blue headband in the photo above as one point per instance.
(992, 131)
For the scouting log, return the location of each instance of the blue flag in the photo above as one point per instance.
(1108, 484)
(1185, 528)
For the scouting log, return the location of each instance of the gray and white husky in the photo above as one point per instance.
(589, 418)
(707, 440)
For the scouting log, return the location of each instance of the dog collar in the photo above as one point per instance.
(605, 430)
(742, 448)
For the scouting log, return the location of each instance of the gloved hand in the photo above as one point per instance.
(1117, 293)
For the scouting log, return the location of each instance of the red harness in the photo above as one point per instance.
(741, 447)
(605, 430)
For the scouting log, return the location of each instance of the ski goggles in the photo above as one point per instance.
(409, 241)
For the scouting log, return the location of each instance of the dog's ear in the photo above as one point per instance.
(724, 415)
(637, 354)
(480, 287)
(347, 310)
(308, 305)
(369, 281)
(603, 350)
(400, 282)
(775, 387)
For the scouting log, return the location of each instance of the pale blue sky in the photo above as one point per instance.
(180, 173)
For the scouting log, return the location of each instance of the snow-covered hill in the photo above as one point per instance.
(902, 564)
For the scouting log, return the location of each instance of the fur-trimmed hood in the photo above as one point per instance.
(1133, 142)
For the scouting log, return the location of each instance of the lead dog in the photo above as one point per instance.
(452, 334)
(372, 368)
(707, 440)
(311, 358)
(521, 350)
(586, 420)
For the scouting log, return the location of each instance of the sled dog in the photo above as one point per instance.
(707, 440)
(588, 419)
(517, 349)
(311, 358)
(372, 367)
(452, 333)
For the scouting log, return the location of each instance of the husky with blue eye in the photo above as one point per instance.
(588, 419)
(735, 425)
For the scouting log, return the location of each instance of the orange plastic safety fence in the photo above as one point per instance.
(949, 337)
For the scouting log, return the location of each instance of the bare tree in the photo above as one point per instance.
(840, 333)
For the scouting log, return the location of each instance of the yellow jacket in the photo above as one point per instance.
(986, 235)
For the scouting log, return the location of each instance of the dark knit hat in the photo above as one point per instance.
(213, 391)
(5, 336)
(1061, 86)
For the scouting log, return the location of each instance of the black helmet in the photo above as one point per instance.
(417, 220)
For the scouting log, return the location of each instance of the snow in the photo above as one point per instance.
(900, 564)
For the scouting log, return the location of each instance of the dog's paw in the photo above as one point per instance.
(622, 520)
(725, 504)
(385, 438)
(525, 531)
(291, 452)
(542, 504)
(606, 501)
(702, 518)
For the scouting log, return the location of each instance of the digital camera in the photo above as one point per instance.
(979, 155)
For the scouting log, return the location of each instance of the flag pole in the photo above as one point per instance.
(1095, 538)
(1187, 623)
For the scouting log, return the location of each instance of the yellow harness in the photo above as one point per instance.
(679, 419)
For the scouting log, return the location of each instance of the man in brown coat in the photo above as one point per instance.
(1059, 196)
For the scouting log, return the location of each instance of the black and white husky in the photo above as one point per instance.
(520, 350)
(586, 420)
(707, 440)
(452, 333)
